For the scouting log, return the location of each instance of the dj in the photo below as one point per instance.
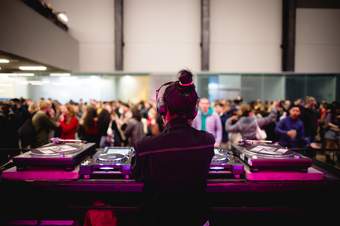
(174, 165)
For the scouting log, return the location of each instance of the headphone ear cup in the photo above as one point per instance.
(161, 106)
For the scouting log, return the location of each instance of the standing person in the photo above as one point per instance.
(223, 110)
(8, 133)
(208, 120)
(88, 128)
(44, 123)
(332, 127)
(290, 130)
(27, 133)
(154, 122)
(310, 118)
(134, 130)
(68, 122)
(248, 124)
(174, 165)
(104, 119)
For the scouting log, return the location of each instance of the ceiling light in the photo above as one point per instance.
(22, 74)
(63, 17)
(32, 68)
(60, 74)
(17, 74)
(4, 61)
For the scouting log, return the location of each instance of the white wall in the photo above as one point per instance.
(100, 87)
(91, 22)
(317, 40)
(74, 87)
(164, 36)
(245, 35)
(11, 87)
(161, 35)
(133, 88)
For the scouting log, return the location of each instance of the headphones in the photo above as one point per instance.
(161, 104)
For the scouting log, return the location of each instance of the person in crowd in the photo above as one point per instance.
(174, 196)
(222, 108)
(332, 127)
(44, 123)
(134, 130)
(116, 134)
(323, 112)
(68, 122)
(20, 109)
(88, 126)
(104, 119)
(154, 123)
(247, 124)
(8, 133)
(27, 133)
(80, 108)
(310, 118)
(144, 108)
(290, 130)
(208, 120)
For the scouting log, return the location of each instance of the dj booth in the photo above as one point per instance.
(253, 183)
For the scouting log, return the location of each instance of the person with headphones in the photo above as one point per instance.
(174, 165)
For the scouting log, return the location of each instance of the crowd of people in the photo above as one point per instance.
(25, 123)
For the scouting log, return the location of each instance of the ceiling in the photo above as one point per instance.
(16, 61)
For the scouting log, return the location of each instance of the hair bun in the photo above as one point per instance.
(185, 78)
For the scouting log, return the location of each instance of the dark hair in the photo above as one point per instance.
(220, 104)
(180, 97)
(294, 106)
(91, 113)
(136, 114)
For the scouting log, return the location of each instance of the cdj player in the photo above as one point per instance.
(268, 156)
(115, 162)
(111, 162)
(225, 165)
(64, 155)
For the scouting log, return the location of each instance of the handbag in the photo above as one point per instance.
(260, 133)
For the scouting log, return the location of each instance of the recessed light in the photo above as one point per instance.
(60, 74)
(63, 17)
(4, 61)
(32, 68)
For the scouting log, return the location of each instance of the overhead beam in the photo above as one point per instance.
(205, 35)
(288, 34)
(119, 34)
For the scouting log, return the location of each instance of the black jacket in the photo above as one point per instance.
(174, 167)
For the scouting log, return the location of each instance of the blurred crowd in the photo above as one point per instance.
(25, 123)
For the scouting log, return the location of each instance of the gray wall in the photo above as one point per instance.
(91, 22)
(26, 33)
(317, 40)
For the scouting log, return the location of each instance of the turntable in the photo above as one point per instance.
(225, 165)
(267, 156)
(64, 155)
(111, 162)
